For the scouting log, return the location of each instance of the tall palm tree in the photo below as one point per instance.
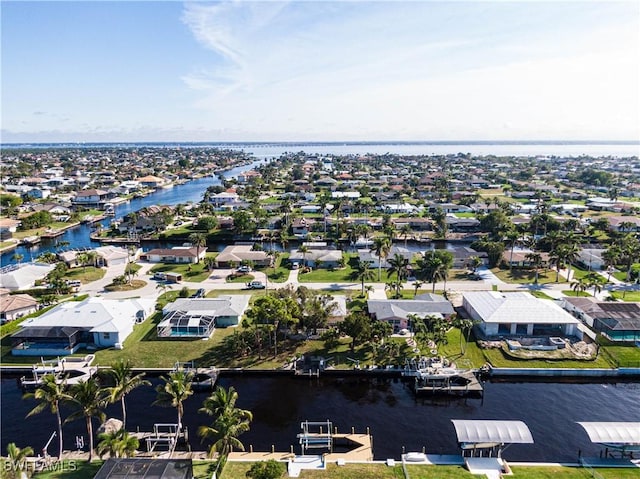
(304, 249)
(117, 444)
(405, 231)
(580, 285)
(229, 423)
(50, 395)
(88, 400)
(432, 267)
(124, 382)
(595, 281)
(535, 261)
(416, 286)
(198, 240)
(17, 257)
(364, 273)
(513, 236)
(381, 247)
(175, 390)
(398, 265)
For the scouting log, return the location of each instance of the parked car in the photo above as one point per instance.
(256, 285)
(199, 294)
(244, 269)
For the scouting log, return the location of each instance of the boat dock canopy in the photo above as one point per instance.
(505, 432)
(613, 432)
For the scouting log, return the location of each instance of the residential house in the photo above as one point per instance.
(461, 225)
(151, 181)
(520, 259)
(23, 276)
(234, 255)
(8, 226)
(198, 317)
(90, 198)
(463, 254)
(177, 254)
(92, 323)
(397, 311)
(14, 306)
(318, 258)
(301, 227)
(226, 199)
(619, 321)
(591, 258)
(114, 255)
(624, 224)
(518, 314)
(365, 255)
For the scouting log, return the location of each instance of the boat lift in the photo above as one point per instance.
(315, 436)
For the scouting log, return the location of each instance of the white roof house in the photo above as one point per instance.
(94, 322)
(198, 317)
(518, 314)
(236, 254)
(113, 255)
(24, 276)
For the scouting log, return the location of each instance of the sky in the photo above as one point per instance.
(319, 71)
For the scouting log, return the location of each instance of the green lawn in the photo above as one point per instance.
(576, 294)
(473, 356)
(631, 296)
(280, 272)
(626, 354)
(135, 284)
(498, 359)
(239, 278)
(237, 470)
(541, 294)
(525, 276)
(190, 272)
(85, 274)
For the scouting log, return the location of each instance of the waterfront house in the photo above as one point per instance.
(234, 255)
(90, 198)
(114, 255)
(462, 256)
(177, 254)
(622, 224)
(518, 314)
(198, 317)
(397, 311)
(151, 181)
(92, 323)
(14, 306)
(368, 256)
(301, 227)
(23, 276)
(519, 258)
(226, 199)
(617, 321)
(318, 258)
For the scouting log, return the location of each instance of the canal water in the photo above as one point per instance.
(394, 416)
(79, 237)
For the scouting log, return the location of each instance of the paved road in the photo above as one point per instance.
(217, 281)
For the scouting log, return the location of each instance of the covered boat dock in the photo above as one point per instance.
(620, 437)
(484, 441)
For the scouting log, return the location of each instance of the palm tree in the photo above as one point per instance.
(82, 259)
(580, 285)
(89, 401)
(175, 390)
(17, 459)
(117, 444)
(405, 231)
(198, 240)
(209, 262)
(474, 263)
(17, 257)
(304, 249)
(432, 267)
(381, 247)
(595, 281)
(512, 236)
(416, 286)
(535, 261)
(51, 394)
(124, 382)
(229, 423)
(398, 265)
(364, 273)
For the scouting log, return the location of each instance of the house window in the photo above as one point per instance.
(106, 335)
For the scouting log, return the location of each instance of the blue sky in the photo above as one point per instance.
(320, 71)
